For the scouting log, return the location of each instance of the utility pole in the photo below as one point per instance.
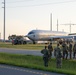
(70, 24)
(57, 24)
(0, 35)
(51, 22)
(4, 21)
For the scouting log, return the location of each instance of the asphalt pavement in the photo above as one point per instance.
(24, 51)
(21, 51)
(13, 70)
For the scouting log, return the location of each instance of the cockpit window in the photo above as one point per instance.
(30, 33)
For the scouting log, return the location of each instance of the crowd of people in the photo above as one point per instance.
(64, 50)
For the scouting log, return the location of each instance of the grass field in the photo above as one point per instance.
(26, 46)
(68, 67)
(36, 62)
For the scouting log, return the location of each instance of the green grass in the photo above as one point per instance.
(36, 62)
(26, 46)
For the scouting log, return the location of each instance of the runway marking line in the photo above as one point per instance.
(23, 70)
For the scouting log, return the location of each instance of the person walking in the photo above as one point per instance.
(70, 49)
(50, 49)
(58, 55)
(45, 56)
(65, 50)
(74, 50)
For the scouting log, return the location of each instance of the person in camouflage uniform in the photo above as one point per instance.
(50, 49)
(65, 50)
(70, 49)
(58, 55)
(45, 56)
(74, 50)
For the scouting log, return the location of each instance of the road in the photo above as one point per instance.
(21, 51)
(13, 70)
(24, 51)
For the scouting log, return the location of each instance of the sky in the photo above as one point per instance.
(23, 16)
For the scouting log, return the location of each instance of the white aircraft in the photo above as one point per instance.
(44, 35)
